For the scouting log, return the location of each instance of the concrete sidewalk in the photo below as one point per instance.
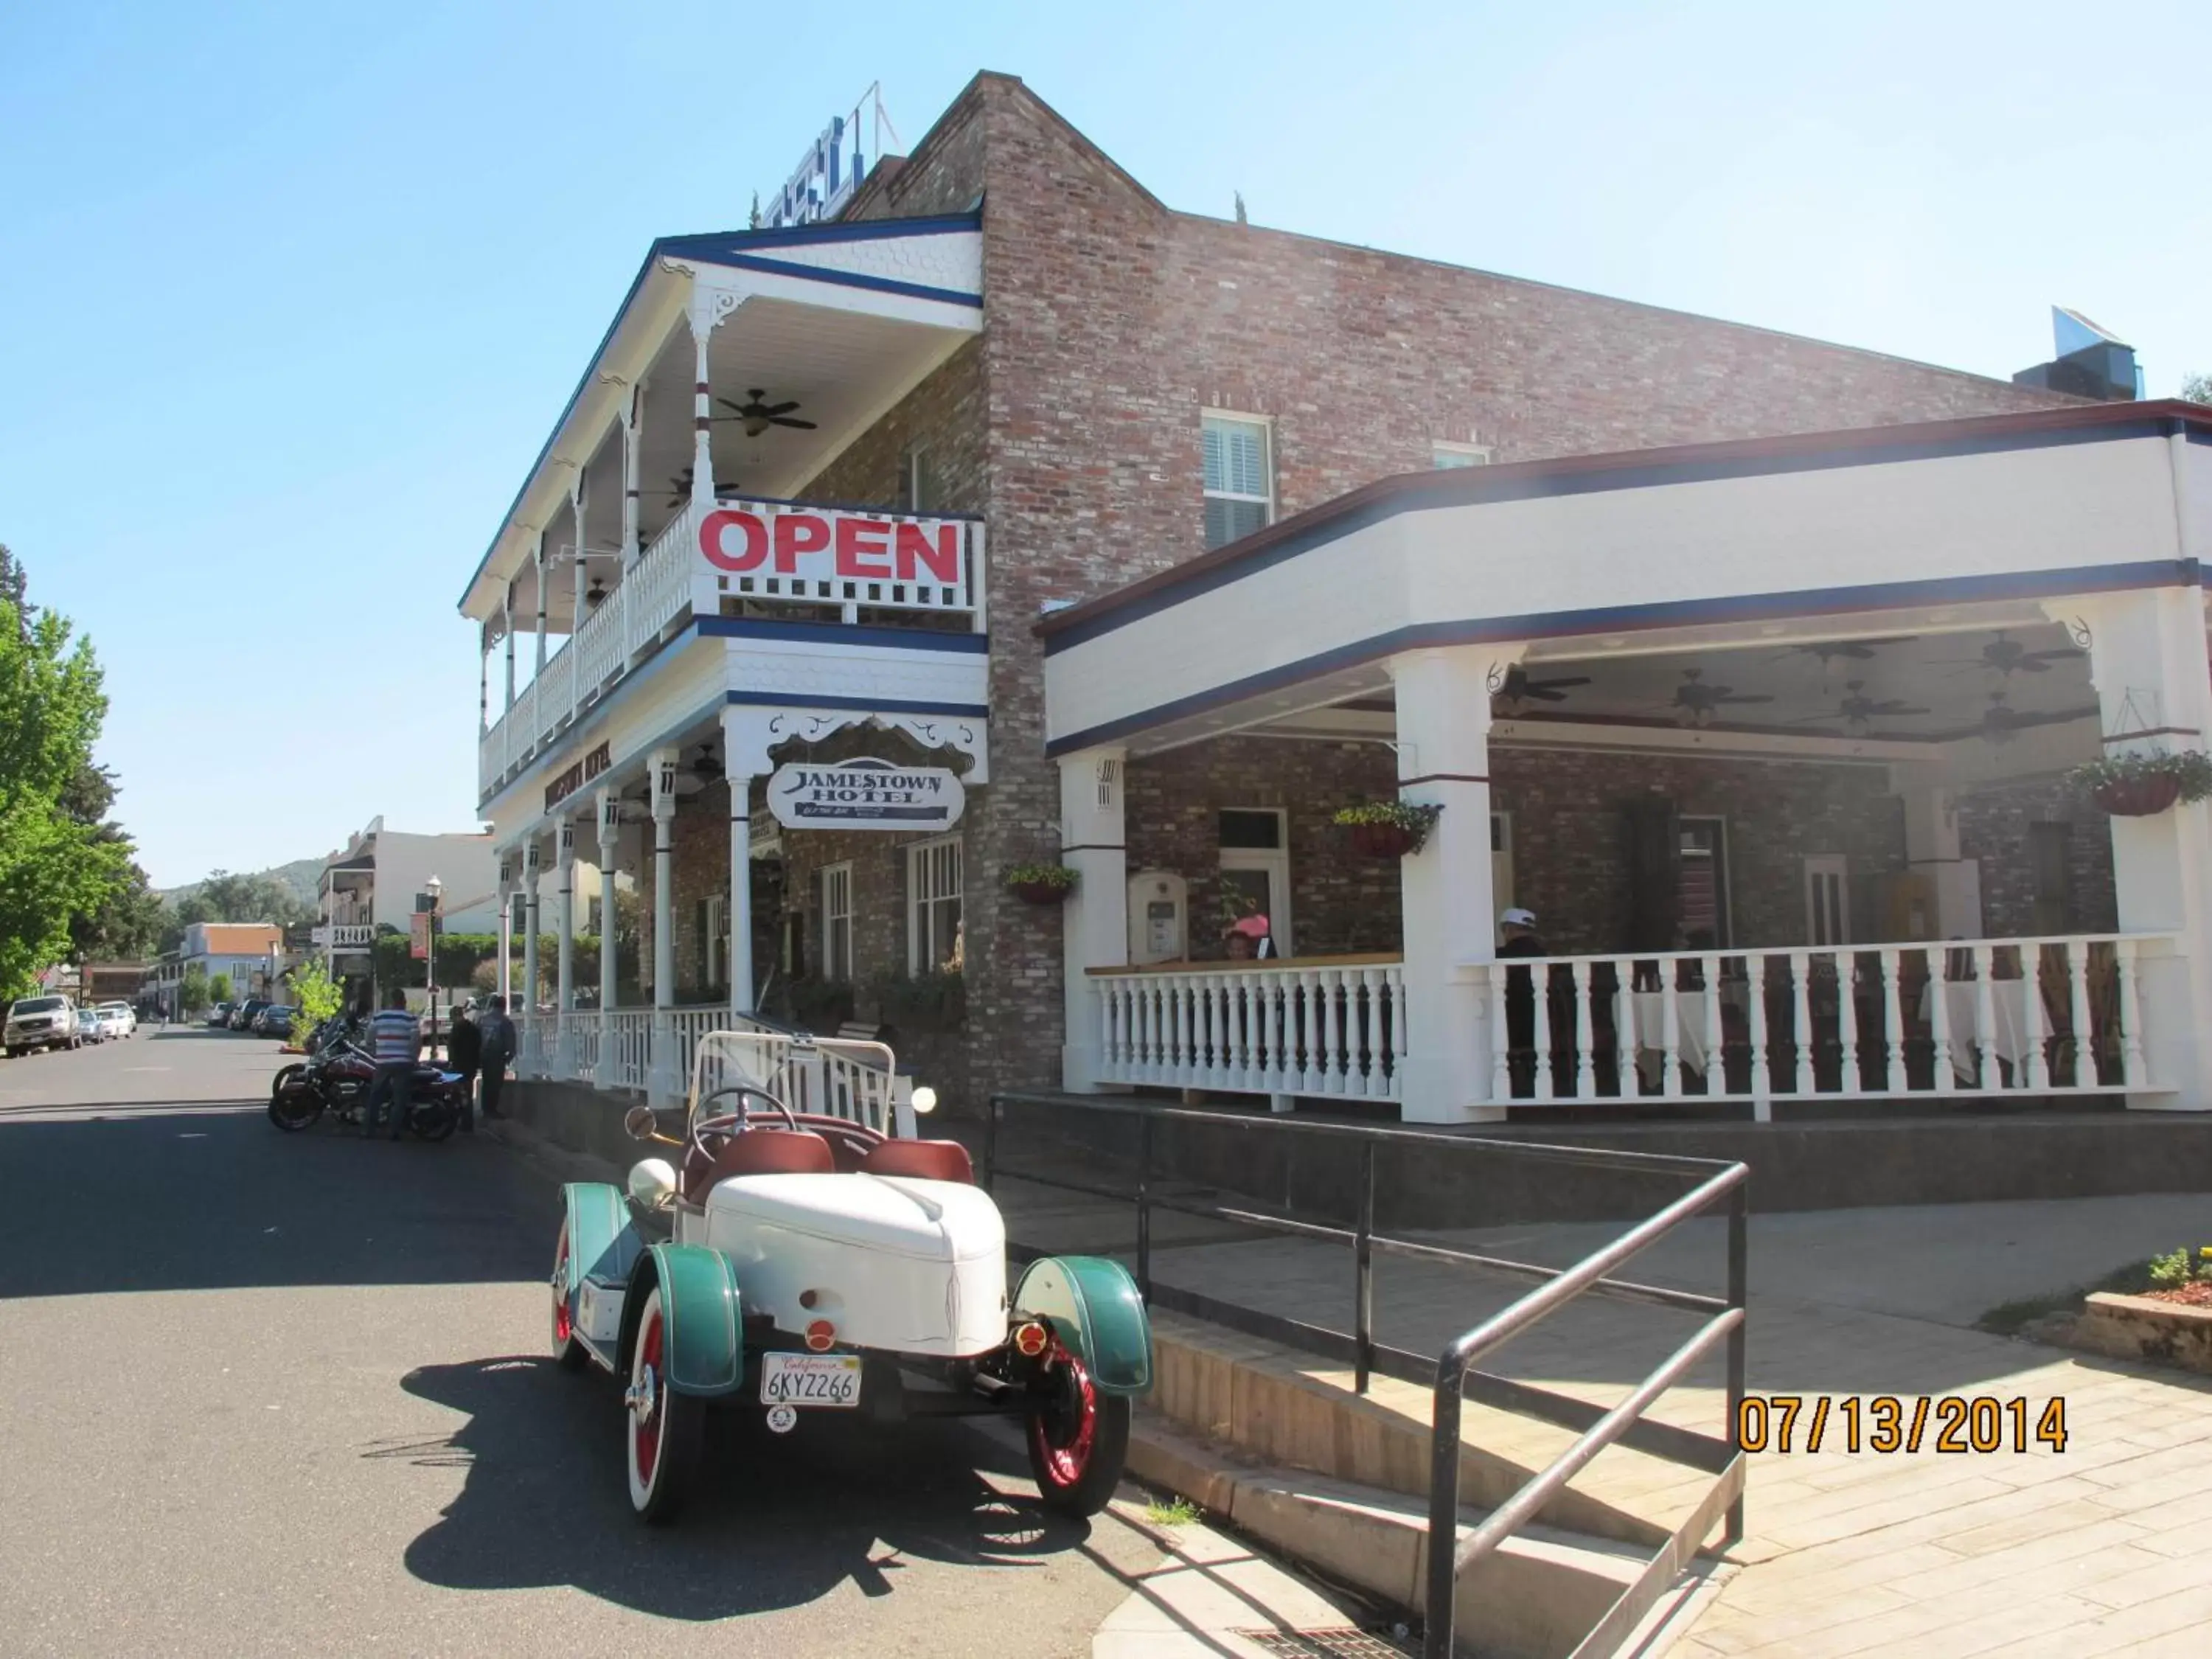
(2104, 1548)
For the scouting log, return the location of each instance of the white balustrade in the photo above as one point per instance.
(583, 1030)
(599, 652)
(625, 1048)
(660, 582)
(1322, 1027)
(2053, 1016)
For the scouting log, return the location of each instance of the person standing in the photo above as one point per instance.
(464, 1055)
(495, 1048)
(395, 1040)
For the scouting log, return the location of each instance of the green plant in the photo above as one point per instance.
(315, 995)
(921, 1002)
(1171, 1512)
(2191, 769)
(192, 990)
(1057, 876)
(2174, 1269)
(1415, 818)
(219, 988)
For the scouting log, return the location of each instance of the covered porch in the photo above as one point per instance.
(1791, 843)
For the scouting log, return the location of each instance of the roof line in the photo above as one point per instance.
(1612, 470)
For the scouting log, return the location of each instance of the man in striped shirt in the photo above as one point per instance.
(394, 1040)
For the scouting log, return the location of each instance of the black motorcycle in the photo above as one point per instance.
(336, 1076)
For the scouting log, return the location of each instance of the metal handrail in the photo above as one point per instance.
(1454, 1374)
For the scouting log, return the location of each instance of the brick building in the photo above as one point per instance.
(1005, 340)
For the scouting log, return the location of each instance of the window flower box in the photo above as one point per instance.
(1389, 828)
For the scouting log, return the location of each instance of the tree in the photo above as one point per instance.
(2198, 388)
(315, 995)
(227, 897)
(219, 988)
(128, 924)
(55, 865)
(192, 990)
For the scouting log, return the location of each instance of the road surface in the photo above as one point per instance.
(289, 1394)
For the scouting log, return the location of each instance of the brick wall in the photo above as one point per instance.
(1112, 322)
(1994, 827)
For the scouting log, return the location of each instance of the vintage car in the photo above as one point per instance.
(810, 1256)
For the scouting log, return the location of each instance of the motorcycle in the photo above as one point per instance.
(336, 1076)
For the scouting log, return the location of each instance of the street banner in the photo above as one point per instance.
(418, 935)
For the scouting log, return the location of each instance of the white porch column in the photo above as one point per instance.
(538, 560)
(532, 868)
(2154, 680)
(1095, 918)
(702, 317)
(576, 603)
(564, 960)
(609, 818)
(1931, 851)
(632, 435)
(741, 862)
(1450, 920)
(667, 1082)
(507, 929)
(507, 621)
(483, 678)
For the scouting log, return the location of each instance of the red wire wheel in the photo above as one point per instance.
(2139, 797)
(661, 1426)
(1382, 840)
(1079, 1440)
(566, 1348)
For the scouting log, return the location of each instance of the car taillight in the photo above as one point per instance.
(1032, 1338)
(820, 1334)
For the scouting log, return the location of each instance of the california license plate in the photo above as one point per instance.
(830, 1380)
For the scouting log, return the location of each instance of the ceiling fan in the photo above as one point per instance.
(1695, 702)
(757, 416)
(1858, 712)
(2001, 658)
(703, 770)
(2001, 722)
(679, 487)
(1828, 650)
(1514, 697)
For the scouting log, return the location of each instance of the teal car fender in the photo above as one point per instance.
(602, 1243)
(704, 1342)
(1092, 1305)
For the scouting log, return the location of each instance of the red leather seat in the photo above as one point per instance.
(758, 1151)
(925, 1160)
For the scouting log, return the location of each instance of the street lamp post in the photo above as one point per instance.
(434, 892)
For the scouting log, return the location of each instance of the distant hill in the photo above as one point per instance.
(298, 877)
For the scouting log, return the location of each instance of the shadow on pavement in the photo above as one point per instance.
(775, 1521)
(99, 1198)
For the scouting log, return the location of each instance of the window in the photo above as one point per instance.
(837, 922)
(715, 938)
(933, 905)
(2050, 856)
(1240, 477)
(1827, 900)
(1701, 882)
(1501, 860)
(1442, 457)
(918, 488)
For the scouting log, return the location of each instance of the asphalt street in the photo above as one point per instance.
(271, 1394)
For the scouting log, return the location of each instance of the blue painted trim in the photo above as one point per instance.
(913, 639)
(703, 245)
(877, 507)
(964, 711)
(1636, 618)
(1542, 481)
(952, 297)
(676, 247)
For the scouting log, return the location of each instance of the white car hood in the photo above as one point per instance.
(926, 1220)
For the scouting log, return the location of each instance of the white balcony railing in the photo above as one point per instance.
(601, 652)
(2052, 1016)
(1322, 1027)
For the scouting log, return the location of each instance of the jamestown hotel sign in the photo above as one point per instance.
(864, 794)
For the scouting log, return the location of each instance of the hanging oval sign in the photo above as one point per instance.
(864, 794)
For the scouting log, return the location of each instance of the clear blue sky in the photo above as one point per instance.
(290, 294)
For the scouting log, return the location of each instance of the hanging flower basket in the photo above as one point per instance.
(2141, 786)
(1389, 828)
(1040, 883)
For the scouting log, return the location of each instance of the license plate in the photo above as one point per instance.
(810, 1379)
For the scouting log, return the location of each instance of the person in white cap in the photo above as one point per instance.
(1519, 927)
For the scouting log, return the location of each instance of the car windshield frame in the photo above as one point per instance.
(37, 1005)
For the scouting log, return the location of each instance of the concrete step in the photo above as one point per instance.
(1536, 1598)
(1281, 1405)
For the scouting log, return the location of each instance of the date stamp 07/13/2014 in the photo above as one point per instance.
(1951, 1422)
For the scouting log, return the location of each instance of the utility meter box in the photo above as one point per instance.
(1159, 917)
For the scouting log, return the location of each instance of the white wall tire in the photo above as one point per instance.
(661, 1428)
(568, 1352)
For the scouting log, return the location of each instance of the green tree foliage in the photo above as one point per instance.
(2198, 388)
(192, 989)
(128, 924)
(315, 995)
(56, 863)
(227, 897)
(219, 988)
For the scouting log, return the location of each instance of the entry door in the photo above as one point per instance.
(1255, 868)
(1827, 900)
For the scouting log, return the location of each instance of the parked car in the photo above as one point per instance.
(219, 1016)
(89, 1028)
(41, 1022)
(275, 1020)
(241, 1018)
(117, 1019)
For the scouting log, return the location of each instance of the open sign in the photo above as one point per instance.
(827, 545)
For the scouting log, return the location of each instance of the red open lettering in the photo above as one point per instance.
(860, 538)
(711, 529)
(942, 559)
(798, 534)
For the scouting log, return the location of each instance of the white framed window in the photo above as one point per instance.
(918, 488)
(1256, 867)
(1501, 861)
(1827, 900)
(716, 929)
(932, 904)
(837, 922)
(1240, 477)
(1445, 456)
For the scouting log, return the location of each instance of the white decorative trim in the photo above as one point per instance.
(710, 303)
(749, 733)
